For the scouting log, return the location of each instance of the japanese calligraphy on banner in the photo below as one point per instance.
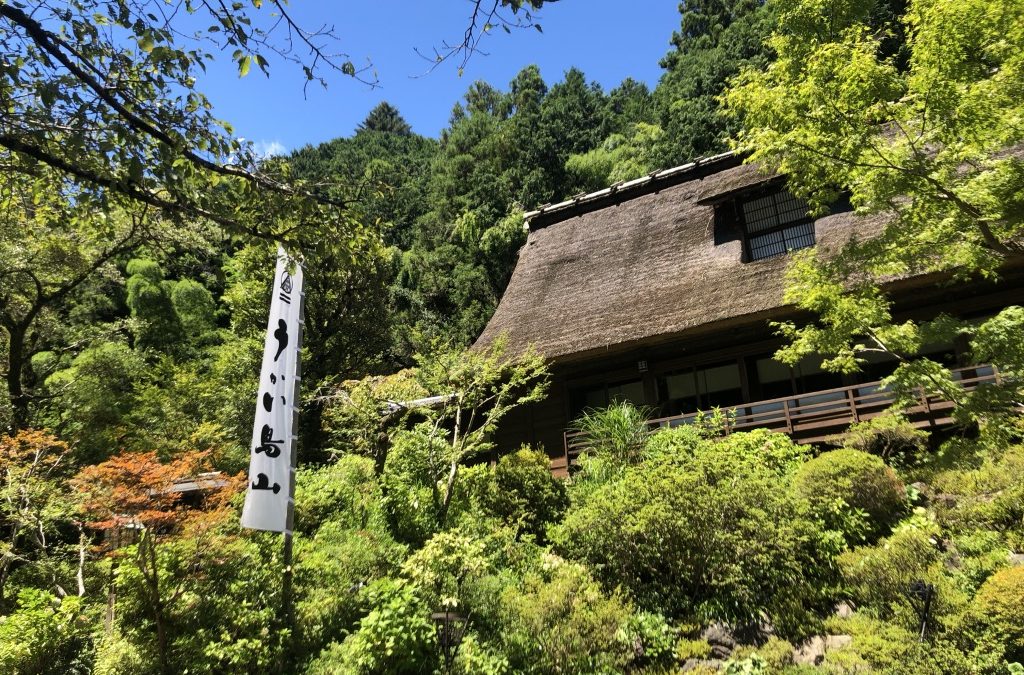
(268, 497)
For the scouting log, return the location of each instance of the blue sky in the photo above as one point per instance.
(608, 39)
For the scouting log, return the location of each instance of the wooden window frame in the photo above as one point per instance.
(731, 222)
(773, 192)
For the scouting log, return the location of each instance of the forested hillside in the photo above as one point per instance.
(134, 289)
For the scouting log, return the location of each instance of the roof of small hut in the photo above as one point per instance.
(639, 263)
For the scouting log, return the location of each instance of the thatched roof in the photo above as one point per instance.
(640, 265)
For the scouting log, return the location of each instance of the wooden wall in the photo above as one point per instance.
(539, 424)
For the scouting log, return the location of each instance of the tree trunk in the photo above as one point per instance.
(4, 567)
(152, 575)
(448, 492)
(15, 370)
(80, 576)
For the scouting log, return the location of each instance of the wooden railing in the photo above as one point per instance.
(813, 417)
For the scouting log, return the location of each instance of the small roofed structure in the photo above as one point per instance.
(660, 291)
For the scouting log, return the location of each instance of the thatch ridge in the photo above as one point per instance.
(624, 190)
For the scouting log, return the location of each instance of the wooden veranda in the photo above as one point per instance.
(812, 417)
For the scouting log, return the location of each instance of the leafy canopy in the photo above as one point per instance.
(926, 136)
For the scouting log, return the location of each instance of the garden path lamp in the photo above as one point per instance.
(450, 627)
(921, 595)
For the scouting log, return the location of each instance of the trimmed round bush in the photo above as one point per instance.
(854, 493)
(999, 607)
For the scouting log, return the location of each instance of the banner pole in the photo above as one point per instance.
(287, 601)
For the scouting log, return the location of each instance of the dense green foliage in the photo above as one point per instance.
(134, 281)
(864, 494)
(716, 39)
(923, 135)
(708, 532)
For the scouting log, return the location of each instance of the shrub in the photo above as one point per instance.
(775, 655)
(774, 451)
(329, 568)
(222, 628)
(715, 536)
(409, 500)
(218, 606)
(618, 431)
(990, 496)
(692, 648)
(45, 634)
(877, 577)
(396, 636)
(998, 609)
(980, 553)
(561, 621)
(883, 647)
(888, 436)
(449, 560)
(674, 443)
(524, 494)
(346, 492)
(853, 492)
(478, 658)
(116, 655)
(750, 665)
(650, 640)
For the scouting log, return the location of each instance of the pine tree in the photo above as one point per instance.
(716, 39)
(385, 118)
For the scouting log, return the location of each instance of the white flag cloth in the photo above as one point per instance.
(270, 465)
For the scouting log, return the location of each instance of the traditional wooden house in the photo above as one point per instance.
(660, 291)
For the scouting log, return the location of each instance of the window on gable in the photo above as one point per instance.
(773, 223)
(769, 222)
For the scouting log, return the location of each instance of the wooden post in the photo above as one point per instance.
(108, 621)
(853, 405)
(287, 601)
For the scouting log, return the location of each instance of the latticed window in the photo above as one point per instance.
(774, 223)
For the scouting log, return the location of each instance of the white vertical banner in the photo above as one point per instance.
(268, 497)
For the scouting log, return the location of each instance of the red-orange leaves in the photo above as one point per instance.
(31, 451)
(138, 490)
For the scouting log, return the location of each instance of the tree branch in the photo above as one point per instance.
(126, 187)
(56, 47)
